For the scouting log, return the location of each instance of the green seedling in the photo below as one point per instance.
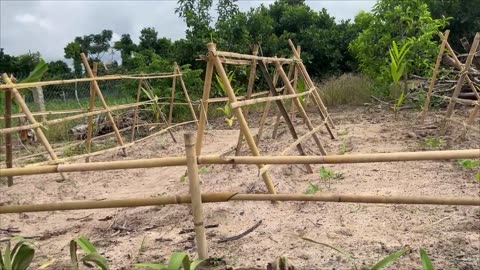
(426, 262)
(92, 255)
(327, 175)
(18, 258)
(344, 147)
(202, 170)
(178, 260)
(312, 188)
(468, 163)
(342, 132)
(433, 143)
(477, 176)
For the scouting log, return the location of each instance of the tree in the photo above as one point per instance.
(399, 21)
(464, 18)
(148, 38)
(93, 45)
(126, 46)
(57, 70)
(7, 62)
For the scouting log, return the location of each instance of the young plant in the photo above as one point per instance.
(468, 163)
(312, 188)
(176, 262)
(344, 147)
(397, 69)
(92, 255)
(18, 258)
(389, 259)
(433, 143)
(226, 110)
(426, 262)
(342, 132)
(327, 175)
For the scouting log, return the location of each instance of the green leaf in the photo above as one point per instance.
(2, 265)
(85, 244)
(97, 259)
(37, 72)
(47, 264)
(23, 257)
(341, 251)
(195, 264)
(8, 259)
(390, 258)
(154, 266)
(177, 260)
(477, 176)
(426, 263)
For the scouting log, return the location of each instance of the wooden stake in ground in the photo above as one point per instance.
(196, 195)
(172, 99)
(102, 100)
(204, 105)
(8, 136)
(88, 142)
(458, 88)
(185, 92)
(238, 113)
(283, 111)
(266, 112)
(135, 111)
(277, 119)
(299, 106)
(32, 120)
(426, 105)
(251, 81)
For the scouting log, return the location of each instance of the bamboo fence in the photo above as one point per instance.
(454, 99)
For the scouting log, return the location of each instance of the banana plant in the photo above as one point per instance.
(176, 262)
(18, 258)
(92, 255)
(398, 66)
(226, 110)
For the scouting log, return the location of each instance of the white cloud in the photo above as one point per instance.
(28, 18)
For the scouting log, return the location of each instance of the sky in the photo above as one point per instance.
(47, 26)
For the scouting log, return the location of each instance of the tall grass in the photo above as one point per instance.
(348, 89)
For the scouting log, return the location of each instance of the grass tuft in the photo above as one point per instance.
(348, 89)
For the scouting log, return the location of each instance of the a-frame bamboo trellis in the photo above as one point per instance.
(454, 99)
(216, 59)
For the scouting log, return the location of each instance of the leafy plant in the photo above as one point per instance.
(327, 175)
(389, 259)
(177, 261)
(202, 170)
(426, 263)
(342, 132)
(226, 110)
(468, 163)
(92, 255)
(312, 188)
(344, 147)
(433, 143)
(477, 176)
(18, 258)
(398, 69)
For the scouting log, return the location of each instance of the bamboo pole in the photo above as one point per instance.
(278, 117)
(266, 112)
(295, 81)
(135, 111)
(253, 57)
(252, 160)
(239, 114)
(251, 82)
(308, 81)
(461, 123)
(8, 137)
(196, 196)
(232, 196)
(187, 96)
(284, 113)
(159, 110)
(89, 71)
(204, 105)
(103, 78)
(88, 143)
(32, 119)
(172, 99)
(426, 105)
(461, 79)
(300, 107)
(266, 99)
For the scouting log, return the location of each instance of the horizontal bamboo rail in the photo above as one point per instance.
(458, 100)
(101, 78)
(231, 196)
(266, 99)
(253, 57)
(215, 159)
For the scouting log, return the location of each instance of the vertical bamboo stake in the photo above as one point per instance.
(283, 112)
(251, 81)
(426, 105)
(32, 120)
(102, 100)
(299, 106)
(135, 111)
(185, 92)
(461, 79)
(196, 195)
(266, 111)
(204, 105)
(8, 136)
(172, 99)
(295, 81)
(239, 114)
(308, 81)
(88, 143)
(471, 117)
(277, 120)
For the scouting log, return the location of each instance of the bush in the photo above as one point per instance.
(348, 89)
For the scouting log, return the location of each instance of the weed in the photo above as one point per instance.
(312, 188)
(92, 255)
(328, 175)
(202, 170)
(177, 261)
(433, 143)
(182, 178)
(342, 132)
(18, 258)
(468, 164)
(344, 147)
(477, 176)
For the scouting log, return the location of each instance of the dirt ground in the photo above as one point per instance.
(450, 234)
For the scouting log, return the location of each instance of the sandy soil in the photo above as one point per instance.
(368, 232)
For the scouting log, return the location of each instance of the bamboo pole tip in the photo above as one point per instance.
(212, 46)
(189, 138)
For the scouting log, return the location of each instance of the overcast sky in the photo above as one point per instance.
(47, 26)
